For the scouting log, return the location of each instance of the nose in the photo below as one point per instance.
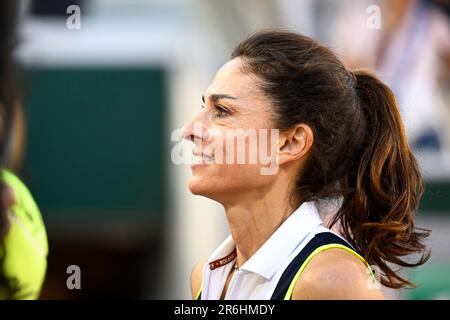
(195, 130)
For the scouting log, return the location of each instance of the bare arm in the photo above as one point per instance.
(196, 277)
(336, 274)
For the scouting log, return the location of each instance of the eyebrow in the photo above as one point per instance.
(217, 96)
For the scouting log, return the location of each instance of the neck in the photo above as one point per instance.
(253, 219)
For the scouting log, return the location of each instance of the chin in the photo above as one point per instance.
(199, 188)
(206, 189)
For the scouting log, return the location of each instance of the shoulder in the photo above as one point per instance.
(335, 274)
(196, 277)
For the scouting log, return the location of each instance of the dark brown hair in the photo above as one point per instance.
(359, 154)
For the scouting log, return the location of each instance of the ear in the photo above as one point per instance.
(295, 143)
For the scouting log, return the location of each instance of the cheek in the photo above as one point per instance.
(235, 171)
(256, 148)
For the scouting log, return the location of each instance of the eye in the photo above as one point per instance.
(221, 112)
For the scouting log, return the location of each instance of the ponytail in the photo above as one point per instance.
(377, 215)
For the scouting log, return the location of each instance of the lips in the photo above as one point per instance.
(203, 158)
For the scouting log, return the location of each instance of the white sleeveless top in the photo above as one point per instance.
(257, 278)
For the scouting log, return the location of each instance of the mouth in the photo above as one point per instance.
(202, 160)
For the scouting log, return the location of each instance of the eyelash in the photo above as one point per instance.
(220, 112)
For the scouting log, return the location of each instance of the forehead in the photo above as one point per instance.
(230, 79)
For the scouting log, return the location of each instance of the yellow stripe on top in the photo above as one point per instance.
(290, 291)
(198, 292)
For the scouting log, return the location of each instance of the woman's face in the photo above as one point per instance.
(232, 137)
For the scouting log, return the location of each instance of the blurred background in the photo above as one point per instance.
(101, 99)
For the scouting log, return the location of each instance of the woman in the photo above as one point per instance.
(340, 137)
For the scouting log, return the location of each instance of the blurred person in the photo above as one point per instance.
(23, 240)
(341, 138)
(411, 52)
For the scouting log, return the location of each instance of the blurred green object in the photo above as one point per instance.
(436, 198)
(25, 247)
(432, 280)
(95, 140)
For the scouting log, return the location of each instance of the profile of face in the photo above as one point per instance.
(236, 142)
